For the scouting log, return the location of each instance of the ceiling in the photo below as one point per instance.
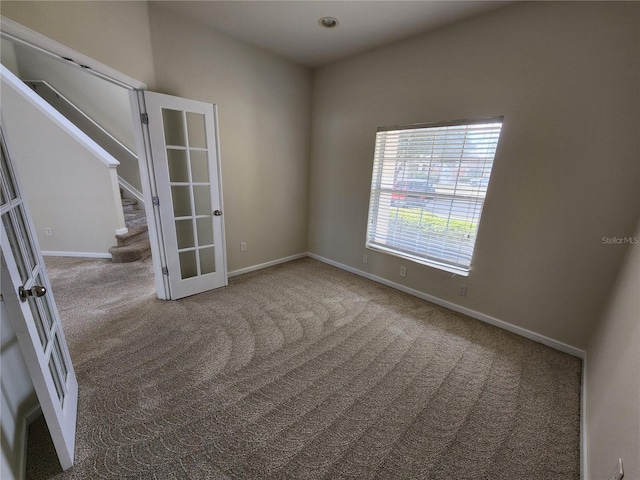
(290, 28)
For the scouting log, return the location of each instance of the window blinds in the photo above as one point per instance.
(428, 187)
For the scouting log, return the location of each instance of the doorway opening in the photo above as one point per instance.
(110, 97)
(179, 172)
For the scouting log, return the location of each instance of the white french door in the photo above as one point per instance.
(183, 136)
(34, 316)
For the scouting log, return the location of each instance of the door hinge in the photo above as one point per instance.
(165, 270)
(155, 201)
(145, 118)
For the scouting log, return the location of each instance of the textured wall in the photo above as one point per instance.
(114, 33)
(72, 192)
(566, 78)
(104, 102)
(613, 383)
(263, 110)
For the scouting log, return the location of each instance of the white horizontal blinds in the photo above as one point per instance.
(428, 189)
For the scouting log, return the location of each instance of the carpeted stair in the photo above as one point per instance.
(133, 245)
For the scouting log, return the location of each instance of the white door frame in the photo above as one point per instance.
(149, 192)
(18, 33)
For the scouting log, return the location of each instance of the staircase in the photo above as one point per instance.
(133, 245)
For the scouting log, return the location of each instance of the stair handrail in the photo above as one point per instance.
(133, 191)
(81, 112)
(12, 80)
(32, 97)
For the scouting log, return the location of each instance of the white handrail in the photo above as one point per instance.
(126, 150)
(9, 79)
(84, 115)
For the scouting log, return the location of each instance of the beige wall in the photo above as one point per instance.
(566, 77)
(8, 56)
(72, 192)
(263, 106)
(613, 378)
(104, 102)
(263, 109)
(114, 33)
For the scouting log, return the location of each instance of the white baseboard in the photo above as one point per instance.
(584, 465)
(523, 332)
(260, 266)
(23, 437)
(76, 254)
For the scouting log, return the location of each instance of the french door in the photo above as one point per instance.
(185, 156)
(34, 316)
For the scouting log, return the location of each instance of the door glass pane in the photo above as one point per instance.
(7, 175)
(205, 231)
(64, 370)
(173, 127)
(45, 308)
(196, 129)
(37, 319)
(3, 200)
(56, 378)
(22, 226)
(199, 166)
(202, 198)
(15, 247)
(178, 168)
(188, 267)
(181, 201)
(207, 260)
(184, 232)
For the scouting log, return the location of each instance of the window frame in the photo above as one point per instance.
(376, 190)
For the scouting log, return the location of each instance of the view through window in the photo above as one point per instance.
(428, 188)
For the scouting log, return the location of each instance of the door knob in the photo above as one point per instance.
(35, 291)
(217, 213)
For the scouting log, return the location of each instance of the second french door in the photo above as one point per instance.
(184, 148)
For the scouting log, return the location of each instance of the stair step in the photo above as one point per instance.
(129, 205)
(131, 252)
(135, 218)
(135, 233)
(133, 245)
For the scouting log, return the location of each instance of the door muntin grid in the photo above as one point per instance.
(14, 223)
(191, 193)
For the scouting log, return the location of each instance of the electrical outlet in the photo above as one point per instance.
(462, 290)
(243, 247)
(48, 232)
(365, 258)
(403, 271)
(617, 473)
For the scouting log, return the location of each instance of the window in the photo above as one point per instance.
(428, 188)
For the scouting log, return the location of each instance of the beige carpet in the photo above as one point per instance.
(303, 371)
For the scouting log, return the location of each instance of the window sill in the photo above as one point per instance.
(421, 261)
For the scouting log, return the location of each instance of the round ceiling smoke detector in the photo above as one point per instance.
(328, 22)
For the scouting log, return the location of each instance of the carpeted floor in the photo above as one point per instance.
(303, 371)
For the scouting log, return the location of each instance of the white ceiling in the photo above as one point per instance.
(290, 28)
